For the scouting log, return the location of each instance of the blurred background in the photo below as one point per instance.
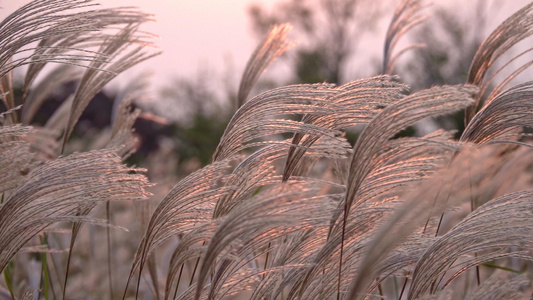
(205, 45)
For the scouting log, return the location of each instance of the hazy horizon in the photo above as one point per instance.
(193, 35)
(216, 36)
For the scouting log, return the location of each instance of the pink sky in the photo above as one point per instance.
(193, 34)
(216, 34)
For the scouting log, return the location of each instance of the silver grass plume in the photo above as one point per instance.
(427, 103)
(190, 203)
(503, 118)
(253, 173)
(58, 120)
(123, 140)
(266, 115)
(513, 30)
(440, 295)
(284, 209)
(249, 180)
(413, 108)
(446, 188)
(38, 21)
(7, 117)
(192, 245)
(326, 110)
(124, 117)
(65, 35)
(58, 189)
(296, 249)
(408, 160)
(257, 171)
(22, 148)
(38, 94)
(406, 16)
(29, 295)
(353, 103)
(272, 46)
(382, 186)
(502, 286)
(94, 79)
(96, 23)
(7, 95)
(492, 231)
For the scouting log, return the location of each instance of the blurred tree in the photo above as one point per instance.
(451, 42)
(330, 31)
(202, 117)
(450, 45)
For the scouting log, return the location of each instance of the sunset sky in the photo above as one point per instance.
(193, 34)
(216, 34)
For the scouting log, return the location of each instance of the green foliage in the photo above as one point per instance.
(199, 138)
(310, 67)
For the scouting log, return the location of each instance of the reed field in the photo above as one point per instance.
(287, 208)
